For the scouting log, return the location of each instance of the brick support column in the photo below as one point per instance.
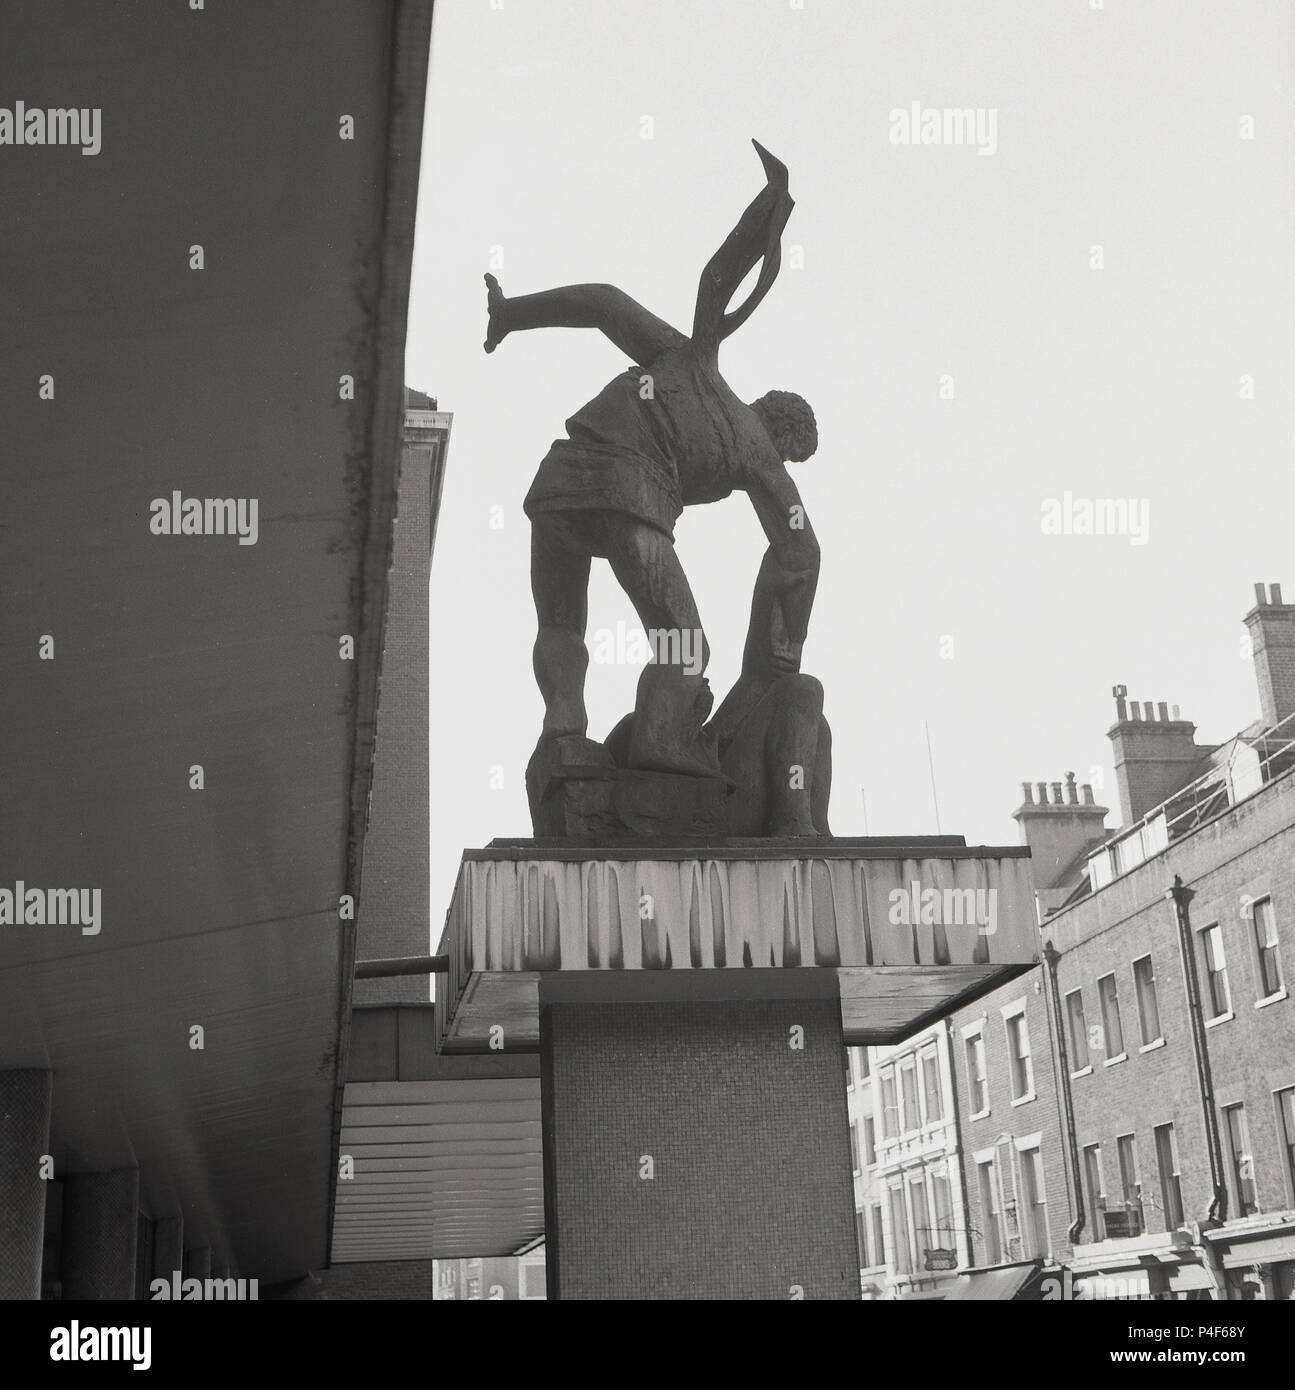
(25, 1100)
(693, 1150)
(100, 1215)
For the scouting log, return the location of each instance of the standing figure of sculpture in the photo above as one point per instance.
(665, 434)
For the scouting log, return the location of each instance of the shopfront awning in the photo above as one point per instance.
(992, 1285)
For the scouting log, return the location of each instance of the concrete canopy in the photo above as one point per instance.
(219, 905)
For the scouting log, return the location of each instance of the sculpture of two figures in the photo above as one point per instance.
(667, 433)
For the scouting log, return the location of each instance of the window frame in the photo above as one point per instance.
(1079, 1043)
(1015, 1013)
(1258, 950)
(1227, 1112)
(1138, 994)
(1171, 1143)
(1207, 970)
(1110, 1005)
(1096, 1198)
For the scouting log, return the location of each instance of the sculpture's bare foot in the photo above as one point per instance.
(774, 169)
(495, 301)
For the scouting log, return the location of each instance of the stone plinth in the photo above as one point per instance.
(697, 1151)
(690, 1005)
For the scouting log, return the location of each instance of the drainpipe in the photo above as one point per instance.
(1050, 958)
(1182, 896)
(960, 1167)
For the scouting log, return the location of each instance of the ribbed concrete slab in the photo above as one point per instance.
(900, 930)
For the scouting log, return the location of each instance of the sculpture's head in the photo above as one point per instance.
(790, 423)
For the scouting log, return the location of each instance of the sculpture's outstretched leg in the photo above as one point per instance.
(755, 240)
(632, 328)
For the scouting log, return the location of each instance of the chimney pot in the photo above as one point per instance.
(1162, 712)
(1042, 790)
(1174, 713)
(1056, 793)
(1088, 794)
(1027, 794)
(1261, 596)
(1276, 591)
(1072, 797)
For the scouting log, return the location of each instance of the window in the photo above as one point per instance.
(1111, 1026)
(878, 1235)
(1265, 927)
(861, 1239)
(1218, 999)
(930, 1063)
(865, 1068)
(899, 1231)
(1130, 1189)
(1286, 1115)
(1144, 982)
(1018, 1051)
(942, 1193)
(1242, 1163)
(1078, 1030)
(889, 1107)
(854, 1149)
(908, 1088)
(922, 1241)
(1034, 1214)
(989, 1213)
(1170, 1184)
(869, 1141)
(977, 1083)
(849, 1071)
(1096, 1190)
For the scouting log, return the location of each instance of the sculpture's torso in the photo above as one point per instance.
(656, 439)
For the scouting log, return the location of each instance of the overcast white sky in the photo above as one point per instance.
(1119, 127)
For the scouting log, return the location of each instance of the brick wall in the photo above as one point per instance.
(1040, 1115)
(1248, 852)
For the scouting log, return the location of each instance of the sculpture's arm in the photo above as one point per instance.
(755, 239)
(632, 328)
(789, 572)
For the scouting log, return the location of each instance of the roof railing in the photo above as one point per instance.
(1253, 762)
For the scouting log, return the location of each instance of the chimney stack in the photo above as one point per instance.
(1271, 624)
(1057, 830)
(1155, 753)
